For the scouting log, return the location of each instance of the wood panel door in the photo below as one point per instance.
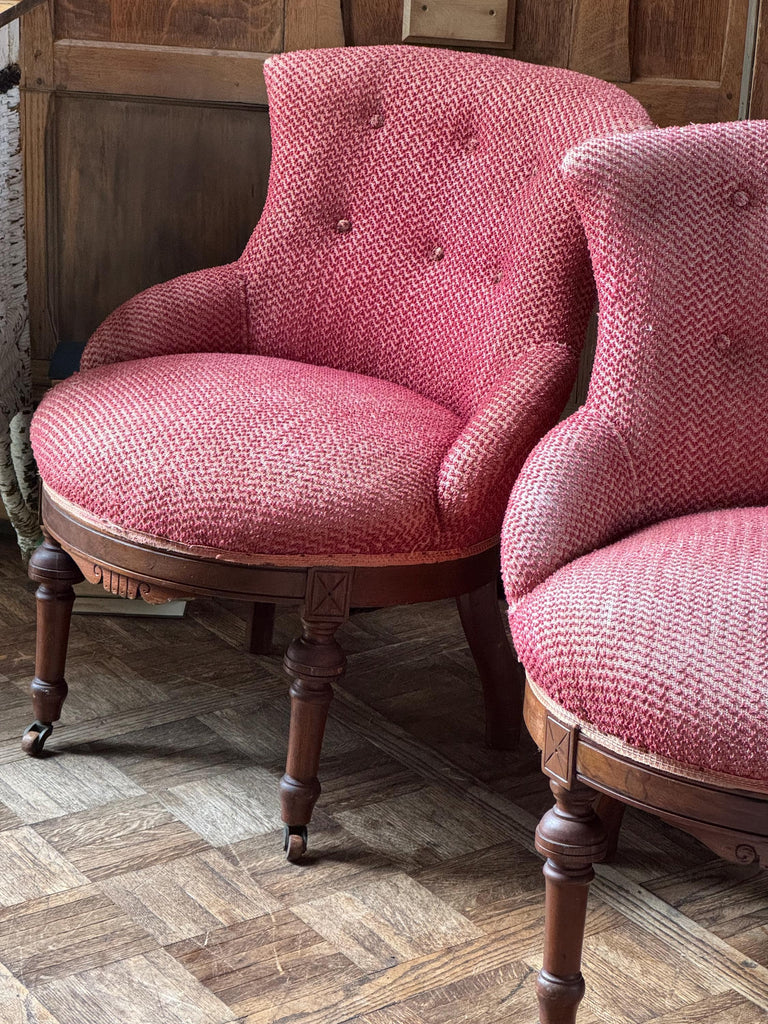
(683, 59)
(146, 143)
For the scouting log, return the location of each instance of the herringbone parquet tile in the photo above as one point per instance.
(142, 879)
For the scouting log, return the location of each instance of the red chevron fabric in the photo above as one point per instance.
(660, 639)
(417, 231)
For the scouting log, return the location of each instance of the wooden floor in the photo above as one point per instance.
(141, 874)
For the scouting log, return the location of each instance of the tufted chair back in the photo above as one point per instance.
(677, 414)
(418, 195)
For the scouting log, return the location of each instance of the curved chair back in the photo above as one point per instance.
(677, 412)
(418, 193)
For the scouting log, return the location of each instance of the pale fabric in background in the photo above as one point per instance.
(18, 479)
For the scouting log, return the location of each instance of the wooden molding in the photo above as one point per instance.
(558, 754)
(758, 104)
(674, 101)
(167, 72)
(11, 11)
(468, 21)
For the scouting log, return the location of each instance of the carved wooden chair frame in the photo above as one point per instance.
(73, 549)
(577, 833)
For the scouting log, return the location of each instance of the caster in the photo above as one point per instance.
(294, 842)
(33, 740)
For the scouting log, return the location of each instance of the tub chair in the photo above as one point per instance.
(635, 545)
(336, 419)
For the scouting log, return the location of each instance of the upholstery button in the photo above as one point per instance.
(437, 253)
(344, 227)
(722, 341)
(471, 144)
(740, 198)
(376, 120)
(496, 279)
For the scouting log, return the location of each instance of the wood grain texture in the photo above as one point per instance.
(423, 901)
(758, 106)
(600, 39)
(36, 60)
(177, 73)
(475, 21)
(220, 24)
(310, 24)
(680, 39)
(141, 197)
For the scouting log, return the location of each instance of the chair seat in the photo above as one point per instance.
(661, 640)
(250, 454)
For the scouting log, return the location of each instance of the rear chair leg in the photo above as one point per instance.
(259, 627)
(55, 572)
(502, 676)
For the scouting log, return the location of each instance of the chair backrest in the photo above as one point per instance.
(677, 222)
(417, 227)
(676, 417)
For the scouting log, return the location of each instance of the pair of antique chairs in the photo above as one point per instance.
(337, 419)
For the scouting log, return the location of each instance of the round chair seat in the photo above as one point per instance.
(251, 454)
(661, 641)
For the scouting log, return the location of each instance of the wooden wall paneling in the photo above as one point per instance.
(171, 72)
(667, 78)
(758, 106)
(10, 10)
(543, 31)
(310, 24)
(679, 39)
(448, 21)
(146, 191)
(600, 39)
(37, 107)
(371, 22)
(537, 30)
(220, 24)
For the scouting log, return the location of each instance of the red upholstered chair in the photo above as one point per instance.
(635, 546)
(337, 418)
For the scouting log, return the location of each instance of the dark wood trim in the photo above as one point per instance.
(173, 575)
(733, 822)
(22, 7)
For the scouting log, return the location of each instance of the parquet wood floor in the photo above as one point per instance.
(142, 879)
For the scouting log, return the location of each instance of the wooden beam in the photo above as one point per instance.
(10, 10)
(167, 72)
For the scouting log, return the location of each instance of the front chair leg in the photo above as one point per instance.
(314, 660)
(56, 573)
(572, 838)
(500, 672)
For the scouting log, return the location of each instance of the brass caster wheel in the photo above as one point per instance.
(33, 740)
(295, 842)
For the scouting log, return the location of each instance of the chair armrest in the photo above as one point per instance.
(477, 474)
(200, 312)
(578, 491)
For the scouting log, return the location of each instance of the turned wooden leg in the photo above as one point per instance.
(501, 674)
(259, 627)
(55, 572)
(314, 660)
(611, 813)
(572, 839)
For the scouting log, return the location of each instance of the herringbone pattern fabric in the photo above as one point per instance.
(417, 231)
(271, 433)
(676, 416)
(660, 639)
